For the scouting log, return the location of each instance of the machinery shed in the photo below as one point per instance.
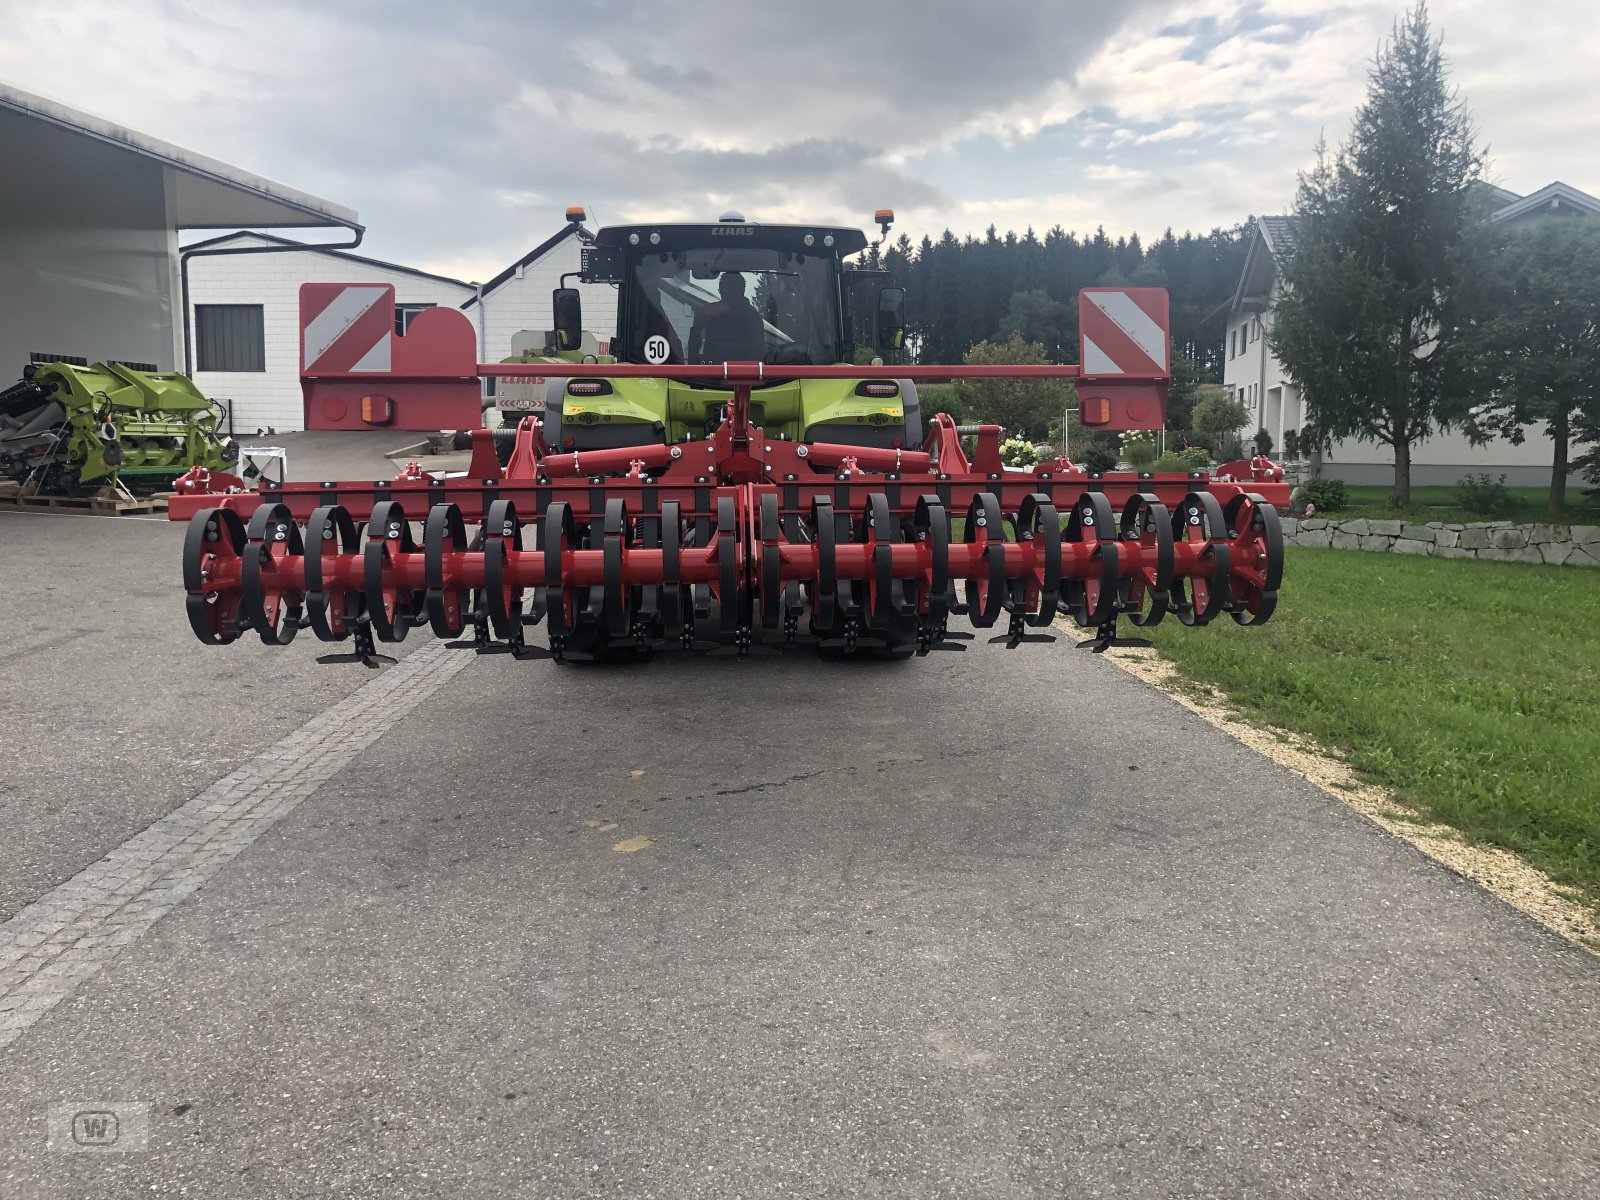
(89, 217)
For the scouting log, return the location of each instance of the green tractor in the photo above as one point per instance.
(68, 429)
(734, 291)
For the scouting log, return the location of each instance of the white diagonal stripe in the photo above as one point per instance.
(376, 359)
(1096, 361)
(332, 321)
(69, 934)
(1140, 327)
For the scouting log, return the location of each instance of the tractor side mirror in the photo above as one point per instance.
(891, 319)
(567, 309)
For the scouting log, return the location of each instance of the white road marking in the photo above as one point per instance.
(69, 934)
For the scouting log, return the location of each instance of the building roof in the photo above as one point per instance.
(291, 244)
(527, 260)
(1551, 196)
(1271, 239)
(1279, 234)
(1497, 196)
(206, 193)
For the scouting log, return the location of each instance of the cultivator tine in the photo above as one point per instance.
(330, 610)
(731, 596)
(1092, 600)
(366, 652)
(267, 605)
(614, 596)
(448, 607)
(391, 609)
(1145, 596)
(769, 584)
(212, 549)
(671, 590)
(988, 592)
(647, 598)
(558, 534)
(1198, 526)
(1106, 637)
(825, 587)
(1017, 633)
(1038, 523)
(885, 597)
(1257, 558)
(501, 607)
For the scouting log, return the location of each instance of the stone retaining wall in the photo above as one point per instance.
(1499, 541)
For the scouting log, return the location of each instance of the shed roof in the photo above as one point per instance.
(206, 193)
(291, 244)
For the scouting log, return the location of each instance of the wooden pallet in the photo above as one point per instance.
(104, 503)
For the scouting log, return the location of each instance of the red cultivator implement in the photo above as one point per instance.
(737, 539)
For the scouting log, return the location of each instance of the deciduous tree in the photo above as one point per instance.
(1543, 341)
(1026, 407)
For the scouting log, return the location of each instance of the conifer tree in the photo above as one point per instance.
(1381, 296)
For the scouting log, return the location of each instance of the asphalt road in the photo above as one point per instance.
(994, 924)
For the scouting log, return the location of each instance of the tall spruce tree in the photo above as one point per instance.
(1381, 297)
(1543, 342)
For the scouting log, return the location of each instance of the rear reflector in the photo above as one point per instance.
(1094, 410)
(377, 410)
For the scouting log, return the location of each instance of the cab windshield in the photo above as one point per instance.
(734, 304)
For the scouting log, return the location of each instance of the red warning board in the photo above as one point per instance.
(346, 327)
(1124, 332)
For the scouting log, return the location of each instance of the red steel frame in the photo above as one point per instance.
(748, 497)
(738, 516)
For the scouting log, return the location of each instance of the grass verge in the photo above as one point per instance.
(1471, 690)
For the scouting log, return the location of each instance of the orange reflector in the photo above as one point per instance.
(377, 410)
(1095, 410)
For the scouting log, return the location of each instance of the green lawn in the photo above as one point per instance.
(1439, 503)
(1470, 689)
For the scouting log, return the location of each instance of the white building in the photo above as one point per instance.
(1250, 372)
(245, 312)
(1255, 377)
(89, 217)
(245, 315)
(519, 298)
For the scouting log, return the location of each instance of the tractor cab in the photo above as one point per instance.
(735, 291)
(739, 291)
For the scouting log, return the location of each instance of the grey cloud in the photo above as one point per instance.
(421, 116)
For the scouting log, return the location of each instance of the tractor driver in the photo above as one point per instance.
(730, 328)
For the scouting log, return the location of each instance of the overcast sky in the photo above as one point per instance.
(460, 132)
